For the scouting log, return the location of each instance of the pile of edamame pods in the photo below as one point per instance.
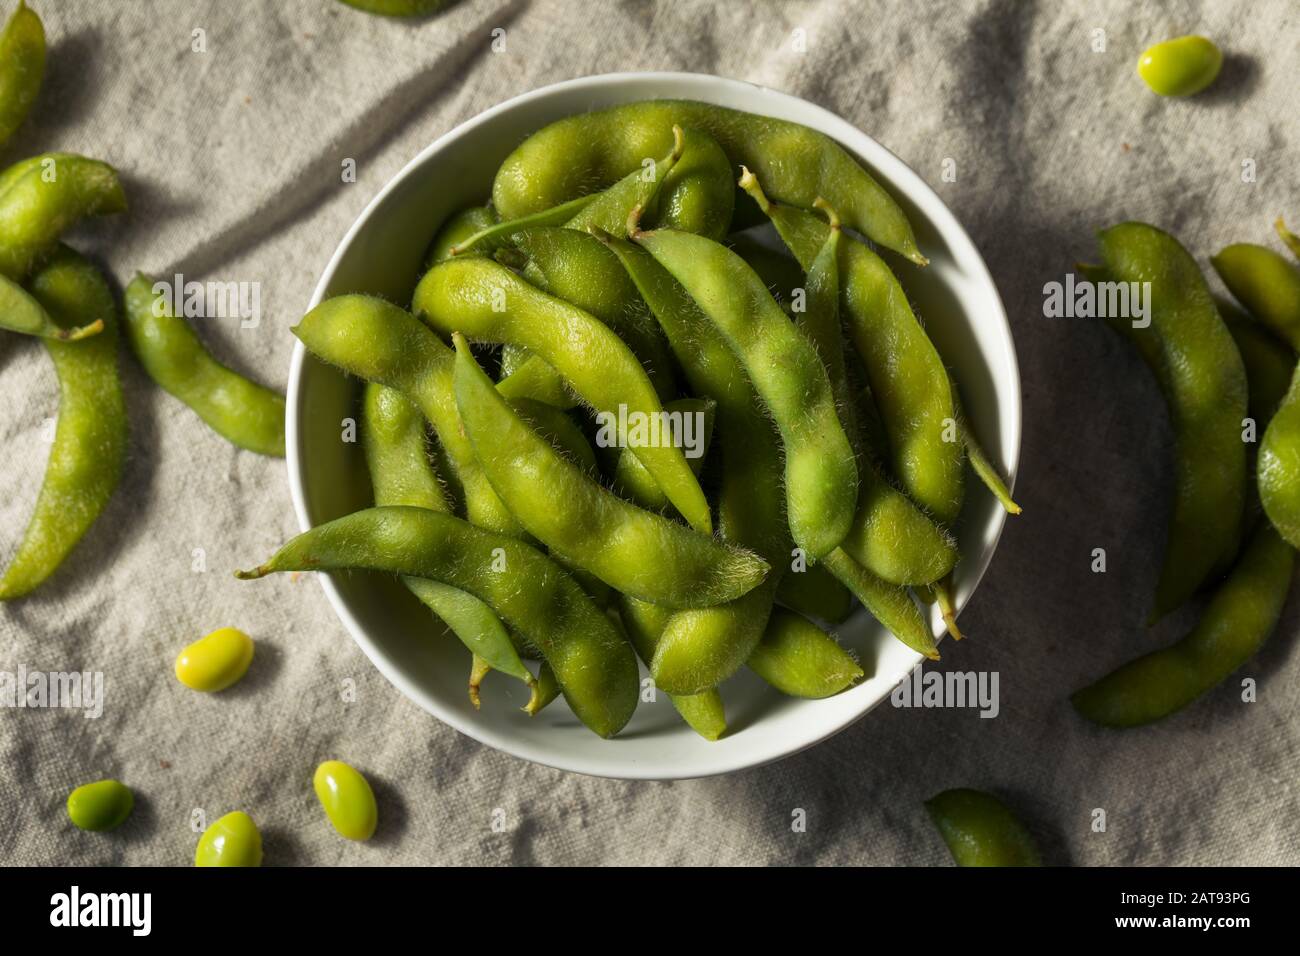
(50, 291)
(604, 284)
(1226, 374)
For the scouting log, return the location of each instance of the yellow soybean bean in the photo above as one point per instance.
(234, 840)
(102, 805)
(347, 799)
(215, 662)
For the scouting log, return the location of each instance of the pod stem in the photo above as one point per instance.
(85, 332)
(749, 183)
(947, 607)
(261, 571)
(478, 670)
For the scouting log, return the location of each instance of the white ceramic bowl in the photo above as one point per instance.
(381, 254)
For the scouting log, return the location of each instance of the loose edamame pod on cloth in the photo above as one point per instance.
(1240, 616)
(19, 312)
(798, 164)
(980, 830)
(1266, 283)
(41, 197)
(243, 412)
(595, 666)
(1201, 373)
(397, 8)
(22, 67)
(89, 449)
(635, 551)
(821, 475)
(906, 375)
(392, 432)
(486, 301)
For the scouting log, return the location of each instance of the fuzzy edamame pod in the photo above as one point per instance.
(821, 475)
(1269, 362)
(980, 830)
(1278, 465)
(906, 375)
(19, 312)
(496, 234)
(1204, 383)
(89, 449)
(637, 552)
(1240, 616)
(800, 659)
(242, 412)
(392, 431)
(594, 665)
(457, 230)
(798, 164)
(376, 341)
(22, 67)
(1266, 283)
(644, 623)
(816, 592)
(889, 604)
(41, 197)
(631, 479)
(486, 301)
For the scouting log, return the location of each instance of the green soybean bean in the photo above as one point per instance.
(457, 230)
(817, 593)
(563, 159)
(234, 840)
(1266, 283)
(242, 412)
(41, 197)
(534, 379)
(394, 440)
(594, 665)
(636, 484)
(821, 476)
(634, 551)
(496, 235)
(800, 659)
(644, 624)
(1291, 240)
(699, 648)
(555, 425)
(1238, 619)
(980, 830)
(102, 805)
(1204, 382)
(576, 267)
(486, 301)
(378, 342)
(89, 449)
(906, 375)
(19, 312)
(347, 799)
(22, 67)
(1180, 67)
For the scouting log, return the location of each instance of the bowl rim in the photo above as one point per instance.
(890, 169)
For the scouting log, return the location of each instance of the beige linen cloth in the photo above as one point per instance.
(231, 159)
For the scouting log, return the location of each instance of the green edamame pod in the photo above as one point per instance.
(636, 484)
(907, 377)
(1269, 362)
(777, 269)
(798, 164)
(634, 551)
(559, 429)
(1239, 618)
(457, 230)
(19, 312)
(1278, 467)
(639, 189)
(594, 665)
(817, 593)
(980, 830)
(89, 449)
(22, 67)
(1266, 283)
(394, 440)
(397, 8)
(534, 379)
(576, 267)
(889, 604)
(800, 659)
(486, 301)
(821, 476)
(41, 197)
(1204, 382)
(240, 411)
(1289, 238)
(643, 623)
(490, 238)
(378, 342)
